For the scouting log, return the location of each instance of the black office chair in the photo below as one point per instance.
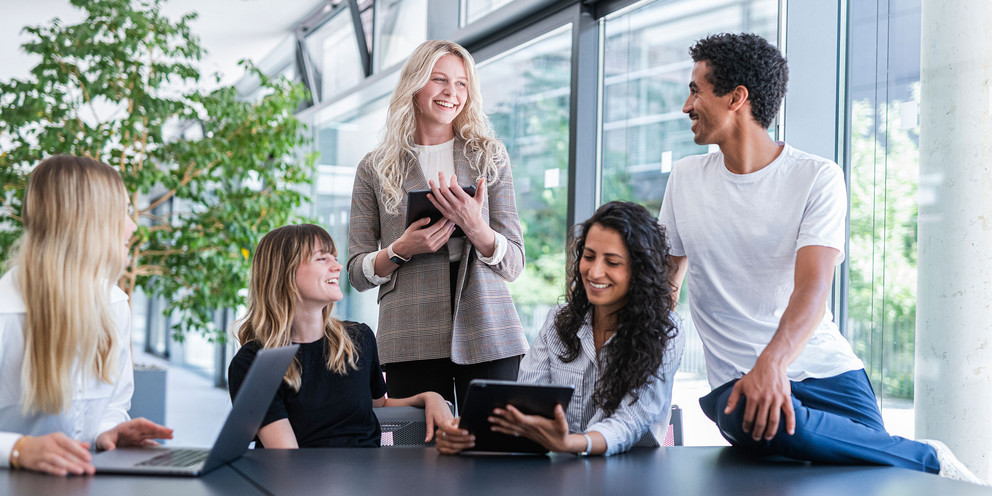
(403, 425)
(673, 436)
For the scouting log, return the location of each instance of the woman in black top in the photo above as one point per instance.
(328, 393)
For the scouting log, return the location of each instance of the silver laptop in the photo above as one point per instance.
(250, 405)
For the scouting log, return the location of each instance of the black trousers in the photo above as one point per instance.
(447, 378)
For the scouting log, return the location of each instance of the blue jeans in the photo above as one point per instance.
(837, 421)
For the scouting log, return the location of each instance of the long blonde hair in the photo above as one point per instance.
(273, 295)
(71, 251)
(396, 151)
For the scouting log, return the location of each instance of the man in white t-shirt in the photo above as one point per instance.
(760, 226)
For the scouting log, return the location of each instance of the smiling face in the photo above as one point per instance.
(317, 277)
(710, 114)
(444, 95)
(605, 269)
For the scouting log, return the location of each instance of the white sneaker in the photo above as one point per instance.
(950, 466)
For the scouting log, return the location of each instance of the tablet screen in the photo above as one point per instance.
(418, 207)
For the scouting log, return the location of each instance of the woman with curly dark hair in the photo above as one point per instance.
(615, 338)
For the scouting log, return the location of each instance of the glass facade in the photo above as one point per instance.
(333, 50)
(526, 94)
(645, 77)
(883, 99)
(343, 138)
(640, 86)
(645, 84)
(400, 26)
(473, 10)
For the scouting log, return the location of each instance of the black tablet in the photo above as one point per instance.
(532, 399)
(418, 207)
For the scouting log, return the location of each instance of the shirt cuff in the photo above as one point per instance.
(614, 439)
(499, 251)
(7, 441)
(368, 268)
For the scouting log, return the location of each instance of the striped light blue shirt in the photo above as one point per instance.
(631, 421)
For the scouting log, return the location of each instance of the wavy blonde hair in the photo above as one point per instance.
(392, 159)
(75, 210)
(273, 295)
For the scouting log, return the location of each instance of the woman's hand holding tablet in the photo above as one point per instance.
(491, 410)
(463, 205)
(419, 208)
(551, 433)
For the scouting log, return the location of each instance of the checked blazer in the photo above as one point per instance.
(415, 317)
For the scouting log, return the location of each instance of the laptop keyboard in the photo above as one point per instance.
(177, 458)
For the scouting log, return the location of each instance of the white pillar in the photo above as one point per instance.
(954, 309)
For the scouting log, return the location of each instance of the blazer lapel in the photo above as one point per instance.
(463, 169)
(466, 177)
(414, 180)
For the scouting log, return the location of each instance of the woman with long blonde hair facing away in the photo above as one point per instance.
(66, 376)
(445, 313)
(328, 393)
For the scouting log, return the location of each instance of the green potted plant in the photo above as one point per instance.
(123, 86)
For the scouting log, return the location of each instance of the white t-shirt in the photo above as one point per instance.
(741, 233)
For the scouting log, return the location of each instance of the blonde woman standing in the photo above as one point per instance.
(445, 313)
(328, 393)
(65, 328)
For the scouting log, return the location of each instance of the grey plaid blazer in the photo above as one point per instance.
(415, 317)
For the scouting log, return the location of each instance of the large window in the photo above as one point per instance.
(473, 10)
(526, 70)
(333, 49)
(646, 70)
(400, 25)
(343, 138)
(883, 98)
(645, 77)
(526, 94)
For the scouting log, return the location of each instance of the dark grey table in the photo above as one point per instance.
(223, 481)
(683, 471)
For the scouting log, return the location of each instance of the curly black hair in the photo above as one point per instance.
(644, 324)
(747, 60)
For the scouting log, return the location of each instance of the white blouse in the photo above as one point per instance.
(96, 406)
